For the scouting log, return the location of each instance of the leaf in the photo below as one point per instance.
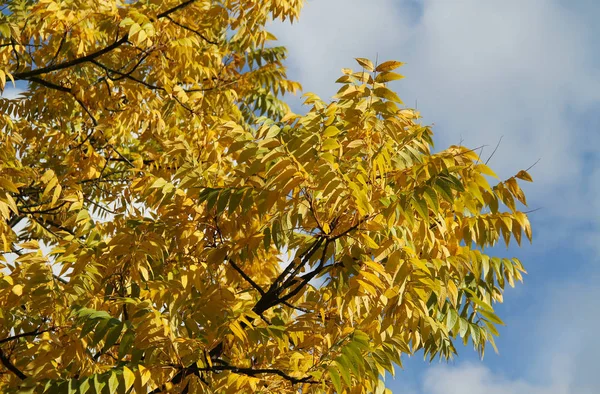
(463, 327)
(388, 66)
(335, 378)
(113, 336)
(524, 176)
(451, 319)
(113, 382)
(491, 316)
(365, 63)
(387, 94)
(475, 333)
(330, 144)
(331, 131)
(128, 377)
(342, 366)
(17, 290)
(369, 242)
(387, 77)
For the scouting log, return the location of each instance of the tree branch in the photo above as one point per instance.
(192, 30)
(27, 75)
(25, 334)
(246, 277)
(176, 8)
(307, 278)
(11, 367)
(193, 369)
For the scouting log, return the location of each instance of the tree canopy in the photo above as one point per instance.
(169, 225)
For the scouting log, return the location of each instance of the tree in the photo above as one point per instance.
(168, 225)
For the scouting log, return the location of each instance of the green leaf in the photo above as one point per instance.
(335, 378)
(100, 331)
(344, 370)
(475, 333)
(98, 385)
(463, 327)
(113, 336)
(421, 206)
(126, 343)
(451, 319)
(431, 196)
(490, 316)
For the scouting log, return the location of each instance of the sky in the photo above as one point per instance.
(523, 71)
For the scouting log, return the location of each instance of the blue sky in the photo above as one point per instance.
(524, 70)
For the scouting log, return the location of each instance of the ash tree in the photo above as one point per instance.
(169, 225)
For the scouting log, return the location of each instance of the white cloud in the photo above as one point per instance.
(561, 360)
(10, 93)
(480, 69)
(477, 379)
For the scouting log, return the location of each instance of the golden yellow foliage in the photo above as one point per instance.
(168, 225)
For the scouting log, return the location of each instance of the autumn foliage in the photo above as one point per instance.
(168, 225)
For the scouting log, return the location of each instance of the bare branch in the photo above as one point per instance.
(495, 149)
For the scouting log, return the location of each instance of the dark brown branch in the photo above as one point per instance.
(192, 30)
(49, 210)
(100, 206)
(25, 334)
(60, 45)
(50, 84)
(307, 278)
(183, 372)
(10, 366)
(27, 75)
(246, 277)
(533, 165)
(126, 75)
(176, 8)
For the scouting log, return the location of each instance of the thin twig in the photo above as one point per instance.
(495, 149)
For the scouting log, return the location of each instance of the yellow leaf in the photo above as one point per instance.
(369, 242)
(365, 63)
(388, 66)
(387, 77)
(330, 144)
(129, 378)
(524, 176)
(17, 289)
(331, 131)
